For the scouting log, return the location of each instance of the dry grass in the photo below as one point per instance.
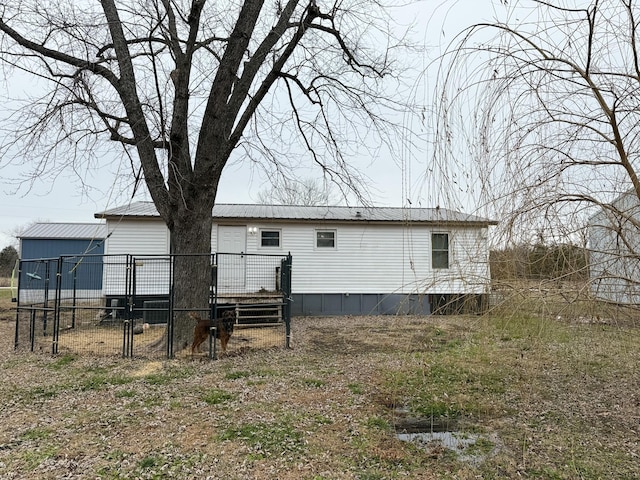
(555, 394)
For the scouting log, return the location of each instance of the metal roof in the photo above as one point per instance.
(312, 213)
(97, 231)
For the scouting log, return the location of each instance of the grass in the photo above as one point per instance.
(216, 396)
(548, 394)
(272, 439)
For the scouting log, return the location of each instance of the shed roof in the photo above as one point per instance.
(97, 231)
(313, 213)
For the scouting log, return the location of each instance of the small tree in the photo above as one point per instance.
(306, 192)
(177, 86)
(8, 257)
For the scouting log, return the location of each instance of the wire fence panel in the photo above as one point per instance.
(122, 304)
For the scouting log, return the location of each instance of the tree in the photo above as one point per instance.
(307, 192)
(8, 257)
(548, 108)
(179, 86)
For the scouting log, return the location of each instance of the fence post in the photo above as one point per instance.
(45, 304)
(16, 338)
(32, 328)
(285, 273)
(213, 287)
(170, 313)
(75, 294)
(127, 331)
(56, 308)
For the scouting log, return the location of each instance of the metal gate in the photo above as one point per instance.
(124, 305)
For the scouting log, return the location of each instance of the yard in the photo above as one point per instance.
(552, 391)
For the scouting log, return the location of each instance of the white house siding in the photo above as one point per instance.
(374, 266)
(614, 252)
(379, 259)
(148, 241)
(147, 237)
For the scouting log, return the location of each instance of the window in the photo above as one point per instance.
(440, 250)
(270, 238)
(325, 238)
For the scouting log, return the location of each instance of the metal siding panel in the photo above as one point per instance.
(352, 304)
(332, 304)
(138, 237)
(53, 248)
(374, 258)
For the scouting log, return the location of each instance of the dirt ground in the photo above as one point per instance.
(555, 397)
(92, 337)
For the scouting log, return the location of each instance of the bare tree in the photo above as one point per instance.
(307, 191)
(548, 109)
(180, 85)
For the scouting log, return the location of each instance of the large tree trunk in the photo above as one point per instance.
(191, 245)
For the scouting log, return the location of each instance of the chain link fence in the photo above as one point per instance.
(123, 304)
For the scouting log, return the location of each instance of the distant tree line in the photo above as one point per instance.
(8, 257)
(539, 261)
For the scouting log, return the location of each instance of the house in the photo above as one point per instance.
(346, 260)
(43, 245)
(614, 250)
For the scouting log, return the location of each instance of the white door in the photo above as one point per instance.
(232, 244)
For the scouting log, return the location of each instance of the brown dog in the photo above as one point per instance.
(224, 329)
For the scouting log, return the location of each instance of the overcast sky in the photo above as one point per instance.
(438, 21)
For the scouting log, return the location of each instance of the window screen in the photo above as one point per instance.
(440, 250)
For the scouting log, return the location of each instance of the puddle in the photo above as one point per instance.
(432, 434)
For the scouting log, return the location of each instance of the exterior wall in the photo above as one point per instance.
(374, 268)
(145, 239)
(52, 248)
(374, 259)
(321, 304)
(38, 274)
(148, 237)
(614, 252)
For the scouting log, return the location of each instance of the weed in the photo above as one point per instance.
(215, 396)
(36, 434)
(43, 392)
(356, 388)
(267, 440)
(101, 381)
(33, 458)
(63, 361)
(378, 423)
(158, 379)
(148, 462)
(235, 375)
(125, 394)
(313, 382)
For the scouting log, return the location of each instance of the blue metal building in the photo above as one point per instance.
(43, 245)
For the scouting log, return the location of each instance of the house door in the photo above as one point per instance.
(232, 244)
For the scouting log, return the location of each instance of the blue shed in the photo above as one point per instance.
(78, 247)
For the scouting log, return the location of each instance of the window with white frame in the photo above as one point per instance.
(270, 238)
(440, 250)
(325, 239)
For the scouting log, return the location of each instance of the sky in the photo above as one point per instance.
(436, 24)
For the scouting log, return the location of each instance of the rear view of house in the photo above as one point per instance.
(346, 260)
